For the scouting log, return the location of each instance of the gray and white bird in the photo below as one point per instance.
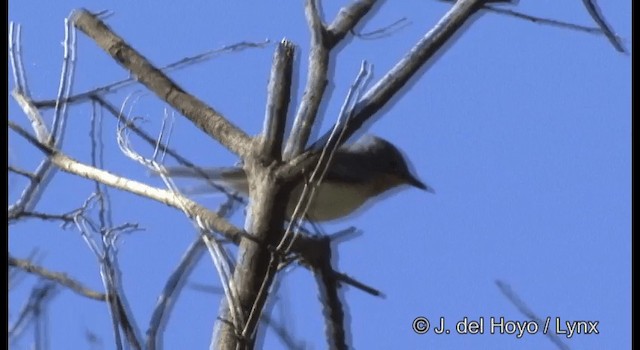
(358, 172)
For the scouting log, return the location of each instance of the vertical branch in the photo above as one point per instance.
(323, 40)
(316, 82)
(254, 273)
(279, 95)
(332, 307)
(31, 194)
(15, 57)
(66, 83)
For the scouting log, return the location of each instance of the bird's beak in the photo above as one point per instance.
(413, 181)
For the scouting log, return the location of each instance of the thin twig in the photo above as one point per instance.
(598, 17)
(106, 254)
(40, 295)
(603, 28)
(324, 161)
(22, 172)
(171, 291)
(58, 277)
(67, 218)
(65, 85)
(527, 312)
(177, 65)
(385, 31)
(15, 57)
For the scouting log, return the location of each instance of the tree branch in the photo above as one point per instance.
(67, 164)
(597, 16)
(58, 277)
(279, 95)
(392, 82)
(204, 117)
(323, 40)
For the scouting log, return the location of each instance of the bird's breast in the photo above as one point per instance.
(331, 200)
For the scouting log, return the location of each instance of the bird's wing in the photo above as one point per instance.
(219, 173)
(342, 169)
(229, 177)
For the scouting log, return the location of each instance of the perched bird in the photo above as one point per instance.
(358, 172)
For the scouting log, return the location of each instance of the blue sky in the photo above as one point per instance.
(523, 130)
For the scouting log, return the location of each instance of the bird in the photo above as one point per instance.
(357, 173)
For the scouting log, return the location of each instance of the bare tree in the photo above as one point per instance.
(273, 162)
